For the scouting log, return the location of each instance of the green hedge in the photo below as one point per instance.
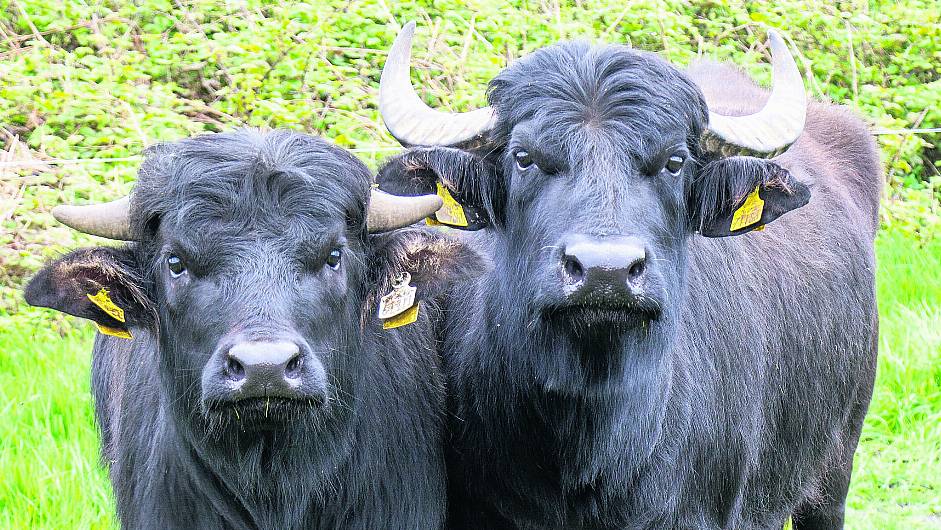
(82, 80)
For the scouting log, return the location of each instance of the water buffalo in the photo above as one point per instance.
(624, 365)
(258, 388)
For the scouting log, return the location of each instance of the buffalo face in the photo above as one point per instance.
(592, 169)
(593, 200)
(267, 317)
(256, 266)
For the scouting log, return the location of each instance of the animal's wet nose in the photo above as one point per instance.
(265, 368)
(602, 270)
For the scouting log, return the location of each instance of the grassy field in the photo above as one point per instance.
(897, 477)
(49, 449)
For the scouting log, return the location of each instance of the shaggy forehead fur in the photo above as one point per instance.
(575, 90)
(249, 176)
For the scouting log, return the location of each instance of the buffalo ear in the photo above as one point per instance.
(736, 195)
(100, 284)
(434, 259)
(466, 183)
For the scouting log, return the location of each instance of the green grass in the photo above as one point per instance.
(49, 448)
(897, 477)
(51, 477)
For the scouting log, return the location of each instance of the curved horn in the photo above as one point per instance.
(779, 123)
(407, 117)
(388, 212)
(109, 219)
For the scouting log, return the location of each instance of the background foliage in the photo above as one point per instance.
(84, 80)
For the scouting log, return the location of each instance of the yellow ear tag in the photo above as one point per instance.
(452, 213)
(749, 213)
(104, 302)
(788, 525)
(114, 332)
(402, 319)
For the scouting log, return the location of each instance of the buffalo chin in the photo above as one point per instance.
(261, 414)
(593, 321)
(600, 342)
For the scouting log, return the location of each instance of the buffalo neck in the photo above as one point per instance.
(595, 401)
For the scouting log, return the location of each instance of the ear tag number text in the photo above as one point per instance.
(104, 302)
(400, 299)
(402, 319)
(452, 213)
(102, 299)
(749, 213)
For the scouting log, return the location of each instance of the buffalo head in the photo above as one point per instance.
(592, 168)
(253, 270)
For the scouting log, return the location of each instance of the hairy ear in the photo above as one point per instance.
(736, 195)
(435, 260)
(466, 182)
(100, 284)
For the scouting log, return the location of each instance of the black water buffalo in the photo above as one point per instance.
(622, 366)
(259, 389)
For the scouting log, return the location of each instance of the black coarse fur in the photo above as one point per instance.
(738, 400)
(254, 216)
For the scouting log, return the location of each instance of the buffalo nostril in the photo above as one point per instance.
(293, 368)
(234, 369)
(637, 270)
(573, 269)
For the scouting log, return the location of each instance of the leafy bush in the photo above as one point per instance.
(89, 80)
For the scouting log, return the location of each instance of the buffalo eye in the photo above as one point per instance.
(176, 266)
(523, 160)
(333, 259)
(675, 164)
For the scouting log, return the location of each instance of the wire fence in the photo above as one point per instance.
(11, 164)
